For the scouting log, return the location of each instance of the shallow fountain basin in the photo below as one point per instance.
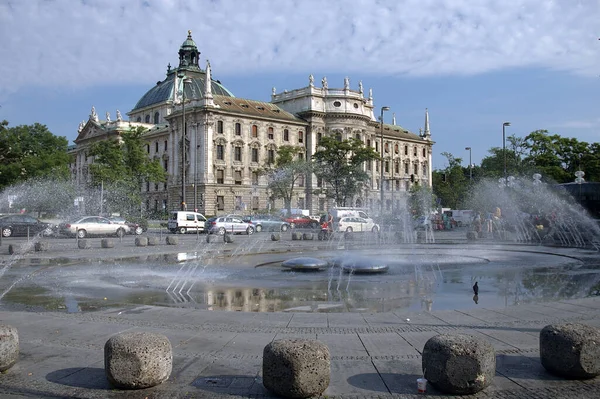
(419, 278)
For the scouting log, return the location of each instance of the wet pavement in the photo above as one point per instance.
(375, 351)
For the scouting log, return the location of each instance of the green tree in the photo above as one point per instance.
(120, 168)
(451, 185)
(285, 174)
(340, 166)
(29, 151)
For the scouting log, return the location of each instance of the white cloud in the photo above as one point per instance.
(579, 124)
(93, 42)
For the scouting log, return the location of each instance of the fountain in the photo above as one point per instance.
(518, 262)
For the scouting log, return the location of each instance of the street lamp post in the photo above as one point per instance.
(184, 80)
(504, 125)
(470, 164)
(381, 166)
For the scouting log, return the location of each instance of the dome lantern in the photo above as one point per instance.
(188, 53)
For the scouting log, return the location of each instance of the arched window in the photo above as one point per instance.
(270, 134)
(220, 127)
(156, 117)
(139, 119)
(286, 135)
(147, 119)
(238, 129)
(396, 148)
(301, 137)
(254, 131)
(387, 147)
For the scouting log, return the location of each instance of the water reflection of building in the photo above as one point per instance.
(366, 296)
(230, 139)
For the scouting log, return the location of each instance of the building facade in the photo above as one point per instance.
(217, 144)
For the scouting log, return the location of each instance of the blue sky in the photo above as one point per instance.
(473, 63)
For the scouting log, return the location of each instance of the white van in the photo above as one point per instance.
(338, 213)
(184, 221)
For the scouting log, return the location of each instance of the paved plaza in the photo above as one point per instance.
(219, 354)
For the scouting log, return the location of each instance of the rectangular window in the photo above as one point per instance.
(238, 177)
(300, 137)
(424, 170)
(406, 168)
(147, 186)
(148, 148)
(286, 135)
(271, 156)
(238, 129)
(369, 165)
(156, 147)
(220, 127)
(220, 152)
(238, 154)
(165, 145)
(220, 203)
(255, 155)
(255, 178)
(415, 151)
(423, 152)
(415, 169)
(301, 156)
(220, 176)
(405, 150)
(320, 182)
(255, 203)
(301, 202)
(301, 181)
(387, 167)
(396, 168)
(165, 165)
(271, 136)
(321, 204)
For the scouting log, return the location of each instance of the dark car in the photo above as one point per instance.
(134, 228)
(23, 225)
(267, 222)
(302, 221)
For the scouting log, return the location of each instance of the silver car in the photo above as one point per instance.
(228, 224)
(84, 226)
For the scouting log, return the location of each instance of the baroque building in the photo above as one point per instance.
(217, 143)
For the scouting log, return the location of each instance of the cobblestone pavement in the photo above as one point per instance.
(219, 354)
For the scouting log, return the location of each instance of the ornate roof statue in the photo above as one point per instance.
(94, 115)
(346, 83)
(119, 117)
(273, 91)
(311, 80)
(81, 125)
(370, 94)
(107, 116)
(360, 87)
(324, 82)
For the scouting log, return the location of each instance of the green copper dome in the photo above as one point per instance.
(188, 65)
(163, 91)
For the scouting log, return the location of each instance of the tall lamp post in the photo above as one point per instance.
(504, 125)
(381, 166)
(184, 80)
(470, 164)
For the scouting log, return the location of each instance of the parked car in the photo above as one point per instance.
(22, 225)
(267, 222)
(184, 221)
(302, 221)
(134, 228)
(355, 224)
(84, 226)
(229, 224)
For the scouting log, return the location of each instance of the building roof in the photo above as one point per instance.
(254, 108)
(163, 91)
